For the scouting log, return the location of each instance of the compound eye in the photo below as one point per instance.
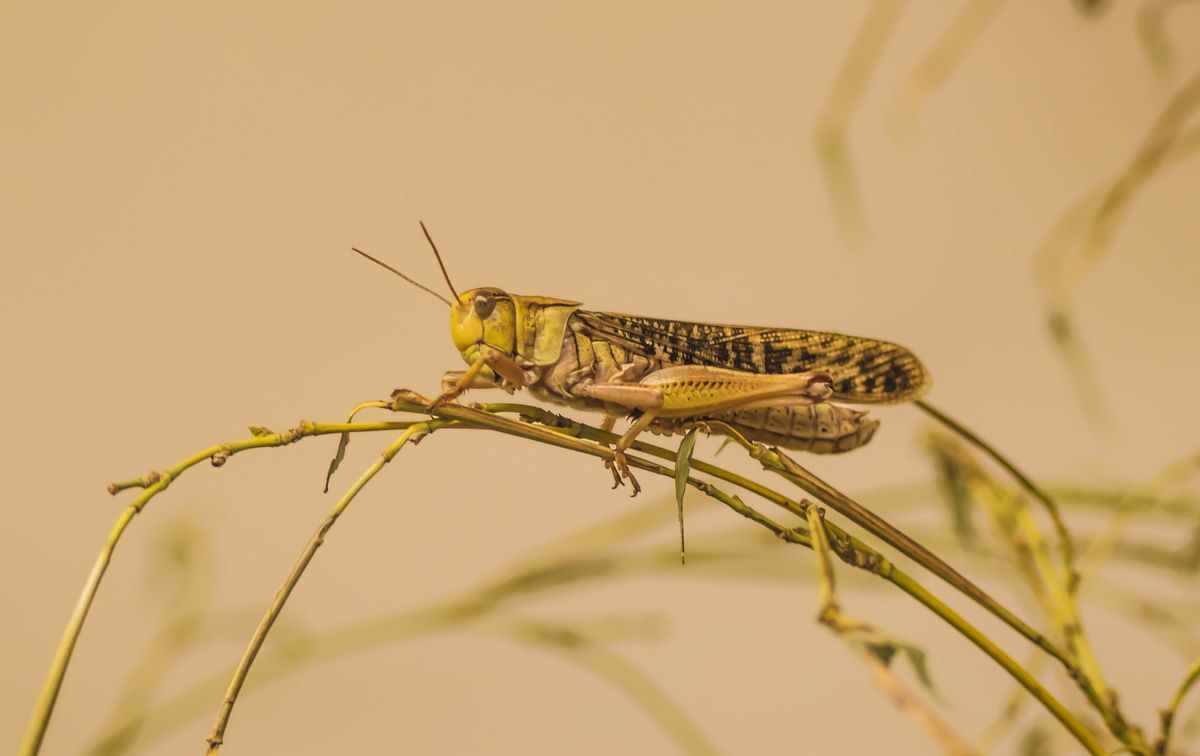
(484, 304)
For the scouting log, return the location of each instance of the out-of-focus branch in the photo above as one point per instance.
(1152, 29)
(837, 114)
(875, 649)
(940, 62)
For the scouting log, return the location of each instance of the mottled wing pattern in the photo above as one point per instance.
(865, 371)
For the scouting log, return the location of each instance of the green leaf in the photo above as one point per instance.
(258, 430)
(883, 651)
(343, 442)
(920, 665)
(683, 465)
(953, 482)
(886, 649)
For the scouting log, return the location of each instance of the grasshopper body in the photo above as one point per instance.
(766, 384)
(769, 384)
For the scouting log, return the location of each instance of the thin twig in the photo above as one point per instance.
(217, 735)
(777, 462)
(1162, 137)
(564, 434)
(1152, 29)
(39, 720)
(1167, 716)
(1007, 718)
(602, 662)
(848, 548)
(184, 618)
(935, 67)
(1063, 258)
(833, 123)
(478, 603)
(917, 709)
(859, 636)
(1064, 537)
(1177, 472)
(1012, 516)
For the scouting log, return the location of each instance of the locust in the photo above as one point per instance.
(780, 386)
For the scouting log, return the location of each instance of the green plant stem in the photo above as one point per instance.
(1011, 514)
(153, 484)
(857, 553)
(833, 122)
(477, 604)
(941, 60)
(826, 582)
(217, 735)
(1060, 528)
(1064, 613)
(616, 670)
(859, 636)
(1167, 715)
(780, 464)
(849, 549)
(788, 468)
(777, 462)
(985, 644)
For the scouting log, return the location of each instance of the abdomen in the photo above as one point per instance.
(818, 428)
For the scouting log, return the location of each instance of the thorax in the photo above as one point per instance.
(586, 359)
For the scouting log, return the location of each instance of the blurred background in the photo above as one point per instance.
(182, 183)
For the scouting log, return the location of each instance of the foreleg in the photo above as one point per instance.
(483, 373)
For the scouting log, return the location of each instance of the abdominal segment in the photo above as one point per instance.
(818, 428)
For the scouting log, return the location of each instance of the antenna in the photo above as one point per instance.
(406, 278)
(439, 259)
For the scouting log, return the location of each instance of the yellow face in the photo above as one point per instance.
(483, 316)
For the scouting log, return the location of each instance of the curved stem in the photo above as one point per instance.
(985, 644)
(837, 113)
(1168, 714)
(564, 434)
(153, 484)
(217, 735)
(849, 549)
(1064, 538)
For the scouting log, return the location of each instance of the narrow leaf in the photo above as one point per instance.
(258, 430)
(952, 480)
(883, 651)
(683, 465)
(343, 442)
(920, 664)
(886, 649)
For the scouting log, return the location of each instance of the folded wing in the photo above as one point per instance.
(865, 371)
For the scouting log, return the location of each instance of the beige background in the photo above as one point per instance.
(180, 184)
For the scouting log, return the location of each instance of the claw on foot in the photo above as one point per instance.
(621, 470)
(447, 396)
(608, 465)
